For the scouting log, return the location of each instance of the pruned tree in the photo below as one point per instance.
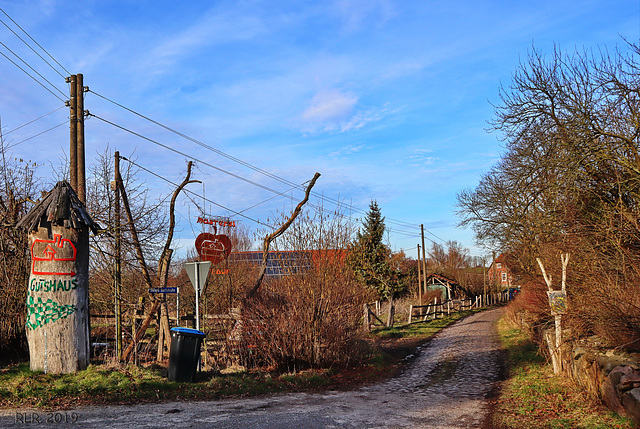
(275, 234)
(164, 262)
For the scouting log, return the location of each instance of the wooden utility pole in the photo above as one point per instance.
(495, 272)
(419, 278)
(82, 188)
(424, 260)
(76, 136)
(118, 255)
(73, 133)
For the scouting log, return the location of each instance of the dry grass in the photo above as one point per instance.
(533, 397)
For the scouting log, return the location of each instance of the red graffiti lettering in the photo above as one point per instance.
(57, 250)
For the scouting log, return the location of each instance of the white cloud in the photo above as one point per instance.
(330, 106)
(335, 111)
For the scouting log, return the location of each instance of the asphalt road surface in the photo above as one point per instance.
(446, 385)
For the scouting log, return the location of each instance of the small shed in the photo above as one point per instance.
(450, 288)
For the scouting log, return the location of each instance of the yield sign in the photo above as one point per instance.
(197, 272)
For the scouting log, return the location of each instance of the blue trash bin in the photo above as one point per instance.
(184, 354)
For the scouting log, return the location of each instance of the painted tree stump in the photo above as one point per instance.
(57, 321)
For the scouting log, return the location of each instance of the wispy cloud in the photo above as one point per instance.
(422, 157)
(214, 28)
(333, 111)
(347, 150)
(356, 14)
(327, 110)
(329, 106)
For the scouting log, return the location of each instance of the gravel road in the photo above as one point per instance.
(445, 386)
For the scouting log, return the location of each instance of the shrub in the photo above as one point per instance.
(308, 320)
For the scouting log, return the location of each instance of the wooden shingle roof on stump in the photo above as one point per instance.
(61, 206)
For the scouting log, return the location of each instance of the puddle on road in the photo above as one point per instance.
(441, 373)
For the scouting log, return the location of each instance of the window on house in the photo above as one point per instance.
(504, 277)
(498, 265)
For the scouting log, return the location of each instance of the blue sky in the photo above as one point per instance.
(388, 100)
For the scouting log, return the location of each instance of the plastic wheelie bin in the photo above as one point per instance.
(184, 354)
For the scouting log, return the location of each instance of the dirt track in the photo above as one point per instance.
(445, 386)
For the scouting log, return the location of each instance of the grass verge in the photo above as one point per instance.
(21, 387)
(533, 397)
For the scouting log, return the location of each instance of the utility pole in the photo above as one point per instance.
(484, 274)
(118, 252)
(73, 133)
(419, 278)
(424, 260)
(76, 136)
(82, 188)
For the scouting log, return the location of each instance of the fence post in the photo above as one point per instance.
(367, 319)
(410, 313)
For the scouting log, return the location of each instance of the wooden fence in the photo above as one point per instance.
(420, 313)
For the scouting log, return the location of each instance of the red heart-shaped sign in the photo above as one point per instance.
(213, 247)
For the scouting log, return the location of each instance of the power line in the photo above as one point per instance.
(241, 162)
(34, 41)
(198, 142)
(31, 122)
(37, 81)
(202, 144)
(278, 193)
(194, 193)
(34, 70)
(235, 213)
(184, 154)
(39, 134)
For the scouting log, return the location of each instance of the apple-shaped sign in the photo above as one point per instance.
(213, 247)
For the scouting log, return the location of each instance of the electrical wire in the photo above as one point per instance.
(244, 163)
(31, 122)
(278, 193)
(200, 143)
(183, 154)
(36, 80)
(195, 194)
(32, 69)
(34, 41)
(239, 213)
(39, 134)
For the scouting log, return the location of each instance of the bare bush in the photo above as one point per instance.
(310, 319)
(17, 193)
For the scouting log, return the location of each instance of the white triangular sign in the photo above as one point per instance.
(197, 272)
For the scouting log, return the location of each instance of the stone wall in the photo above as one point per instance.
(610, 375)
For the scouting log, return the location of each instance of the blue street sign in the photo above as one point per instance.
(163, 290)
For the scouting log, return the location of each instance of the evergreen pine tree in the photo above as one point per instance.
(369, 256)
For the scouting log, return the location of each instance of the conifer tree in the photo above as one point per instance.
(369, 256)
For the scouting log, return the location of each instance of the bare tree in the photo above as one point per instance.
(569, 180)
(20, 187)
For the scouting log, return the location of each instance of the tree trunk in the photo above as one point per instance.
(58, 300)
